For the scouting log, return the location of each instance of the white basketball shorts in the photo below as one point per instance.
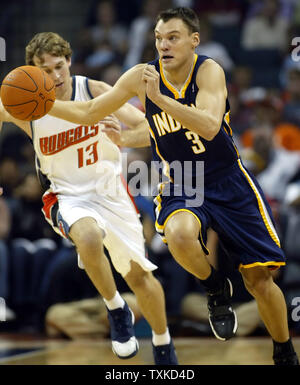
(116, 216)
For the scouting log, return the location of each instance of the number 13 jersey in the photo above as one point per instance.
(74, 158)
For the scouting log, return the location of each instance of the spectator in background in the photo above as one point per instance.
(5, 226)
(27, 219)
(108, 29)
(267, 30)
(277, 166)
(213, 49)
(238, 85)
(287, 8)
(291, 110)
(221, 12)
(10, 175)
(111, 74)
(289, 61)
(126, 11)
(140, 28)
(103, 43)
(108, 38)
(265, 110)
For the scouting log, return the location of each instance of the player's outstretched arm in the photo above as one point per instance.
(6, 117)
(92, 111)
(137, 132)
(205, 120)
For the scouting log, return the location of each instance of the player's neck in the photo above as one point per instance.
(179, 76)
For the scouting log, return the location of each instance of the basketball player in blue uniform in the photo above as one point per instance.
(185, 99)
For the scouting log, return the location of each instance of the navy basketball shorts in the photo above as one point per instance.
(235, 207)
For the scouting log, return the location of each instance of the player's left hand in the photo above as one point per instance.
(151, 78)
(112, 129)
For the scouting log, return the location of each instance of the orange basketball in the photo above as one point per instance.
(27, 93)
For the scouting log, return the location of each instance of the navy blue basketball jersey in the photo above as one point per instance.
(170, 141)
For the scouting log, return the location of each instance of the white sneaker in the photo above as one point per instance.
(124, 343)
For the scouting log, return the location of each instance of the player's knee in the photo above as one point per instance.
(259, 286)
(89, 241)
(180, 240)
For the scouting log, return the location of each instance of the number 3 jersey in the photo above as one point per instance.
(75, 159)
(171, 142)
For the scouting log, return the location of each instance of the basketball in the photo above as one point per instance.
(27, 93)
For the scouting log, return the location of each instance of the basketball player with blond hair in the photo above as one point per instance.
(75, 162)
(186, 104)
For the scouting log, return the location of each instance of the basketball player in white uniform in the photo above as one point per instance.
(87, 203)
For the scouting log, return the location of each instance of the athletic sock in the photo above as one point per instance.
(282, 348)
(161, 339)
(214, 283)
(116, 302)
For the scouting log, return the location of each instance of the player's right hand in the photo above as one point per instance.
(112, 129)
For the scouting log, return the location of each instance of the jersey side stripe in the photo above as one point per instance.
(262, 208)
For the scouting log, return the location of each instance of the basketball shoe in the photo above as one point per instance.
(124, 343)
(286, 359)
(222, 317)
(165, 354)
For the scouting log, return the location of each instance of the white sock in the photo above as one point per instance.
(161, 339)
(116, 302)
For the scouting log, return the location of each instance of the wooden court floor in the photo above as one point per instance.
(190, 351)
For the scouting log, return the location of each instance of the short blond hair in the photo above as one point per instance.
(47, 42)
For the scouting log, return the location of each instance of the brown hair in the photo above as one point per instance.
(47, 42)
(187, 15)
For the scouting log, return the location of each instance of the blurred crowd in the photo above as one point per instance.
(254, 42)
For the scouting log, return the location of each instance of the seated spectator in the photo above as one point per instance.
(108, 29)
(213, 49)
(288, 136)
(28, 221)
(221, 12)
(238, 85)
(266, 30)
(278, 166)
(287, 8)
(111, 74)
(265, 109)
(291, 110)
(140, 28)
(5, 225)
(10, 175)
(101, 44)
(83, 319)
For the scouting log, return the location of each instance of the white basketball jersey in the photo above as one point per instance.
(73, 156)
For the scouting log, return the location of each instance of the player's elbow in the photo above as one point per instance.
(211, 133)
(212, 130)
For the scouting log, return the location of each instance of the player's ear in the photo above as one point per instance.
(69, 61)
(195, 39)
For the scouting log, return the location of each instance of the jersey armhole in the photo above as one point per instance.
(88, 88)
